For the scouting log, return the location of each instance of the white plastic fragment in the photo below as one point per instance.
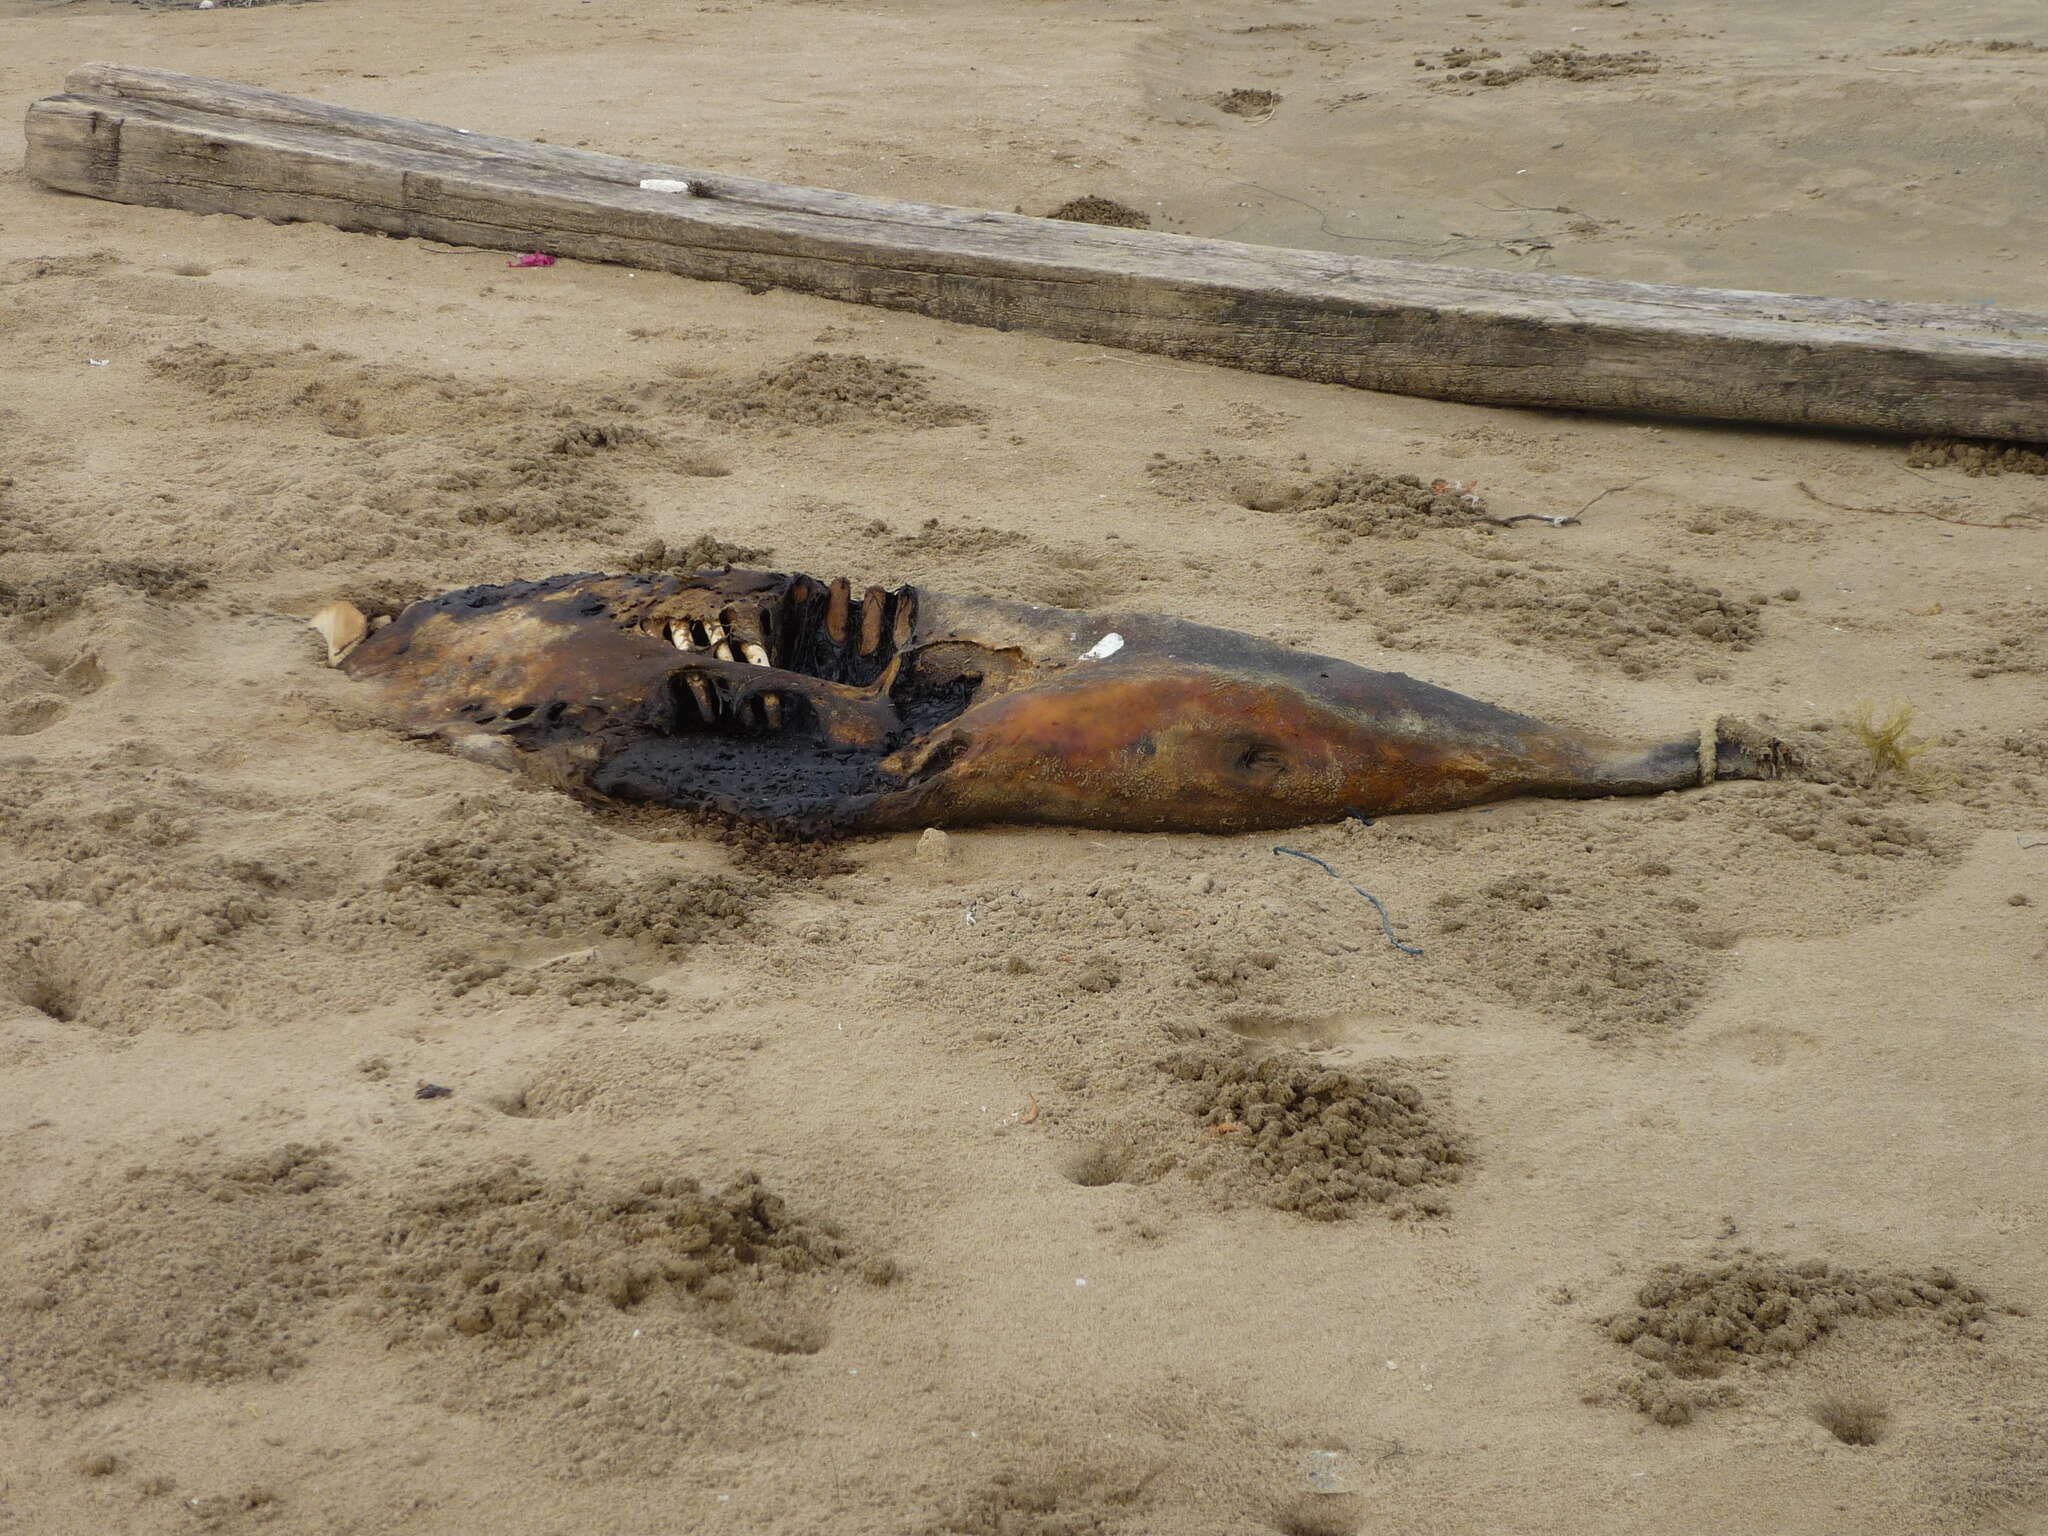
(666, 184)
(1104, 648)
(1330, 1472)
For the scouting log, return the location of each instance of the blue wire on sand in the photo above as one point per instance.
(1379, 906)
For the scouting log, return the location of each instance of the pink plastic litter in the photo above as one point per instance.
(532, 259)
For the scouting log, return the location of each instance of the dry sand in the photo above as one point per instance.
(844, 1190)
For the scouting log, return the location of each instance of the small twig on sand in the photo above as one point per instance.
(1533, 517)
(1612, 490)
(1379, 906)
(1961, 522)
(1514, 206)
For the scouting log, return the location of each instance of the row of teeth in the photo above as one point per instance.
(716, 641)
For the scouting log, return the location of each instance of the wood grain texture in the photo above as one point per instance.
(156, 138)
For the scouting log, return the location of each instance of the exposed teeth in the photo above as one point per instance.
(771, 710)
(701, 692)
(837, 603)
(714, 636)
(679, 637)
(871, 615)
(755, 654)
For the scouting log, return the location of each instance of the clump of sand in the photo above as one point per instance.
(1643, 621)
(1101, 210)
(1247, 102)
(225, 1269)
(399, 460)
(507, 1253)
(207, 1273)
(1050, 1496)
(834, 389)
(1966, 45)
(1324, 1142)
(1567, 954)
(1348, 500)
(704, 552)
(2012, 640)
(1692, 1323)
(61, 591)
(1974, 456)
(542, 878)
(1462, 66)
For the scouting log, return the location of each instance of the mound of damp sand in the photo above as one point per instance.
(1068, 1496)
(1966, 45)
(509, 1254)
(63, 590)
(1571, 64)
(1691, 1323)
(1247, 102)
(707, 551)
(1642, 623)
(540, 878)
(1100, 210)
(1321, 1142)
(1976, 457)
(1576, 957)
(2014, 640)
(206, 1274)
(1350, 500)
(226, 1270)
(389, 460)
(832, 389)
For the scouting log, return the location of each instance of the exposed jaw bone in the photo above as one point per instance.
(717, 636)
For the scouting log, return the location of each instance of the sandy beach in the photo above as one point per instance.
(1689, 1177)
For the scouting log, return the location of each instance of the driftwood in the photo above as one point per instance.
(207, 146)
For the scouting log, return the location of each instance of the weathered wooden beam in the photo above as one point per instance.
(162, 139)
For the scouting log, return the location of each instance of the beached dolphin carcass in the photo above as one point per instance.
(781, 698)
